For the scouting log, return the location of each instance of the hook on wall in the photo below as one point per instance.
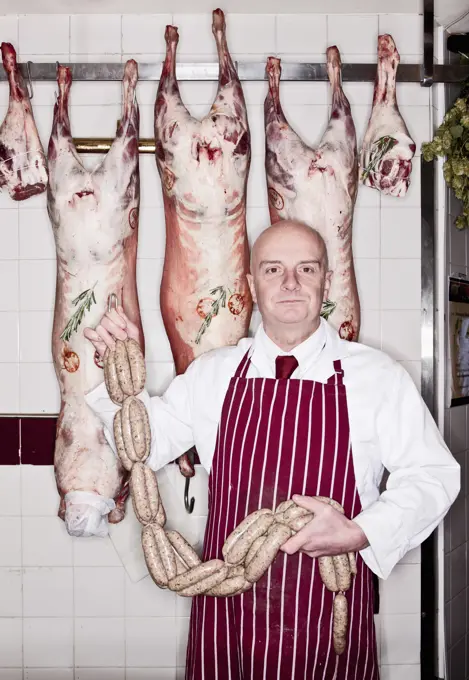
(189, 504)
(30, 83)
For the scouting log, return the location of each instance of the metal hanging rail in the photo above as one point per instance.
(249, 70)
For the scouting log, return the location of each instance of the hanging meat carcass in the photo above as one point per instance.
(387, 152)
(23, 169)
(203, 165)
(318, 187)
(94, 216)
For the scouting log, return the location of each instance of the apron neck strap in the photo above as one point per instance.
(337, 378)
(243, 366)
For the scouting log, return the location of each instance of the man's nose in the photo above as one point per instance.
(290, 281)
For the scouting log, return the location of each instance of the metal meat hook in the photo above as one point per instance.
(30, 84)
(189, 505)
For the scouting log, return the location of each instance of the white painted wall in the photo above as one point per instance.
(68, 604)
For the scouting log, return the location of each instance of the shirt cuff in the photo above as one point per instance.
(382, 554)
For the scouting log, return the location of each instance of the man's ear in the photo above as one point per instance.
(252, 288)
(327, 285)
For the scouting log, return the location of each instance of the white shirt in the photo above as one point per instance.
(390, 427)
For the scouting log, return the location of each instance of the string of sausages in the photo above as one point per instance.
(247, 552)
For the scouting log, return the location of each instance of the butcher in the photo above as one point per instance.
(296, 412)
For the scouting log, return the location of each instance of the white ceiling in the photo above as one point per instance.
(446, 11)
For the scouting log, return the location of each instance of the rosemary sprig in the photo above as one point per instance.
(379, 149)
(84, 302)
(220, 301)
(327, 308)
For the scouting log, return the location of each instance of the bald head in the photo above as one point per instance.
(289, 279)
(290, 229)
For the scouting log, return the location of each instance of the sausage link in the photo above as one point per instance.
(254, 549)
(123, 369)
(340, 621)
(246, 533)
(181, 566)
(342, 571)
(327, 572)
(205, 584)
(246, 586)
(330, 501)
(228, 587)
(183, 548)
(110, 377)
(276, 537)
(136, 364)
(145, 496)
(199, 573)
(165, 550)
(283, 506)
(146, 430)
(152, 558)
(236, 571)
(137, 412)
(241, 528)
(295, 511)
(127, 428)
(161, 516)
(121, 452)
(353, 563)
(240, 549)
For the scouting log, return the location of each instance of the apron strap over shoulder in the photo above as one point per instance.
(243, 366)
(337, 378)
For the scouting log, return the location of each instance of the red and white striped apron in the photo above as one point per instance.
(277, 438)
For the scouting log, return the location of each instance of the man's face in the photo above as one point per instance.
(289, 280)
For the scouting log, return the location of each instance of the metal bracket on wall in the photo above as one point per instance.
(428, 28)
(426, 74)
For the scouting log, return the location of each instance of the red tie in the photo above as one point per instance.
(284, 366)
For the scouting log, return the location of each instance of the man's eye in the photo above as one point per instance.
(272, 270)
(308, 270)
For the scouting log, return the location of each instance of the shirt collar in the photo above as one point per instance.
(325, 341)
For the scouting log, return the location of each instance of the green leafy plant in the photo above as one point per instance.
(327, 308)
(84, 302)
(451, 140)
(220, 301)
(378, 150)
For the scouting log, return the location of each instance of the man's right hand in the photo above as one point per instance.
(114, 325)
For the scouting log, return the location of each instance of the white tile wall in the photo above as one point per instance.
(100, 642)
(9, 326)
(48, 642)
(48, 591)
(143, 33)
(34, 27)
(97, 34)
(67, 608)
(9, 28)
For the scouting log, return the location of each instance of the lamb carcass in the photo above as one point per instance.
(387, 152)
(23, 169)
(203, 165)
(318, 187)
(94, 216)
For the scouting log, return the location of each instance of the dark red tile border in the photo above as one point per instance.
(9, 441)
(38, 440)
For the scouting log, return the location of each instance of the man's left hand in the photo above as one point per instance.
(329, 532)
